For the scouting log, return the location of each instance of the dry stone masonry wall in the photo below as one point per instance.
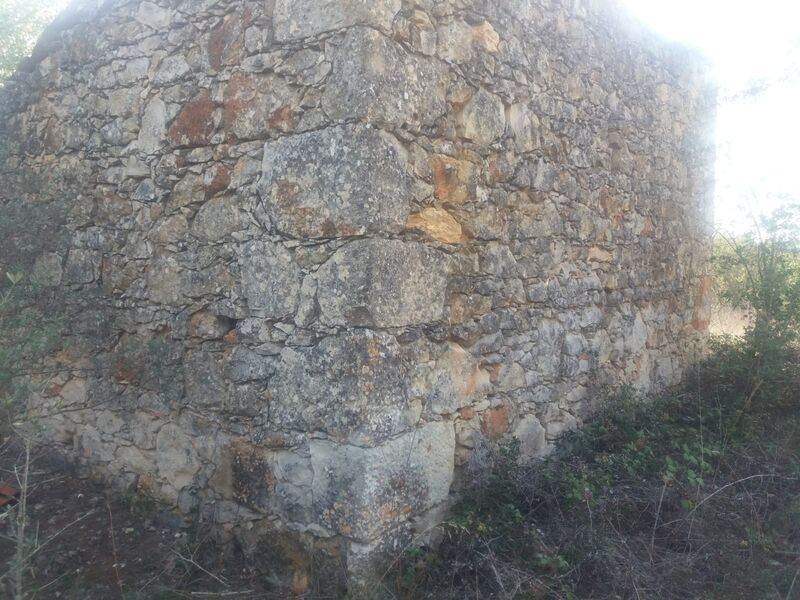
(317, 255)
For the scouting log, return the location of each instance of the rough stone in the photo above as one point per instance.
(216, 219)
(376, 80)
(532, 437)
(176, 457)
(270, 279)
(298, 19)
(361, 492)
(338, 182)
(438, 225)
(351, 386)
(194, 124)
(154, 124)
(383, 283)
(483, 118)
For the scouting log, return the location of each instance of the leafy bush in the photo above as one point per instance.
(761, 271)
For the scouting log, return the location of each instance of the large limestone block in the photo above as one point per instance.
(383, 283)
(298, 19)
(375, 79)
(363, 492)
(341, 181)
(270, 280)
(351, 386)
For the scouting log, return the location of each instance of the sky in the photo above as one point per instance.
(757, 135)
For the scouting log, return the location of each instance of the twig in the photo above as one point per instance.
(114, 550)
(22, 515)
(195, 564)
(655, 523)
(738, 481)
(222, 594)
(49, 540)
(791, 587)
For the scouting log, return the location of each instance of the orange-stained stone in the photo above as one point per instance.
(597, 254)
(495, 422)
(437, 224)
(282, 119)
(219, 178)
(300, 583)
(452, 178)
(486, 37)
(194, 124)
(466, 413)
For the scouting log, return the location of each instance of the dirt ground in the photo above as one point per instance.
(85, 543)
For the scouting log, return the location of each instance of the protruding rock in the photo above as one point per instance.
(454, 179)
(343, 181)
(176, 456)
(383, 283)
(154, 124)
(375, 79)
(351, 386)
(362, 492)
(532, 437)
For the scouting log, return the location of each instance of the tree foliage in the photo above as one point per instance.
(21, 23)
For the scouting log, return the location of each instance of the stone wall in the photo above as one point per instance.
(317, 255)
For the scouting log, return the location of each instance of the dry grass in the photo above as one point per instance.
(728, 320)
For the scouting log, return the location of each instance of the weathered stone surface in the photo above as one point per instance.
(383, 283)
(374, 79)
(351, 386)
(361, 492)
(298, 19)
(48, 270)
(270, 279)
(216, 219)
(454, 380)
(194, 124)
(336, 182)
(483, 119)
(255, 105)
(438, 225)
(454, 179)
(154, 124)
(176, 457)
(154, 16)
(532, 437)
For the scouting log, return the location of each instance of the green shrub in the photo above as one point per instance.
(761, 271)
